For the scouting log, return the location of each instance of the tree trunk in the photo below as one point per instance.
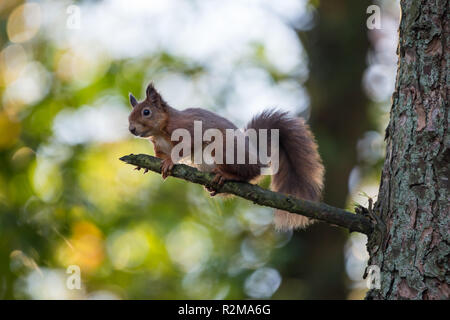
(412, 245)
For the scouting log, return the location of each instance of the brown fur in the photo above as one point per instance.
(300, 169)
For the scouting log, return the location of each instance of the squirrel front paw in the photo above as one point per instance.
(166, 167)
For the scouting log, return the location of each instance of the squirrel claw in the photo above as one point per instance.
(137, 168)
(211, 190)
(166, 167)
(146, 170)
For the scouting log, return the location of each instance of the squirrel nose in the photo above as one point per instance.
(133, 130)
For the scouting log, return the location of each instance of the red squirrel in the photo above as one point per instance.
(300, 170)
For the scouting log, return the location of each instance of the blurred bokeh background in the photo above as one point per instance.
(66, 68)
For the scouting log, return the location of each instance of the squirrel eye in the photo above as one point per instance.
(146, 112)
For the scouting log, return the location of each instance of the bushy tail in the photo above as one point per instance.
(300, 170)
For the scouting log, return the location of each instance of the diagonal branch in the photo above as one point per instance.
(261, 196)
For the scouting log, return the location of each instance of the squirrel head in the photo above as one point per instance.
(149, 117)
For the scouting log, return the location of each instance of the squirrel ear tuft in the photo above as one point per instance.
(154, 97)
(151, 92)
(133, 100)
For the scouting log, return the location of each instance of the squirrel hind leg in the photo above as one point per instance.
(227, 172)
(221, 176)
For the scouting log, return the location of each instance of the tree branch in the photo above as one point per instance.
(261, 196)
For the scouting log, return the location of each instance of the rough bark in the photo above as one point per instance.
(412, 245)
(261, 196)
